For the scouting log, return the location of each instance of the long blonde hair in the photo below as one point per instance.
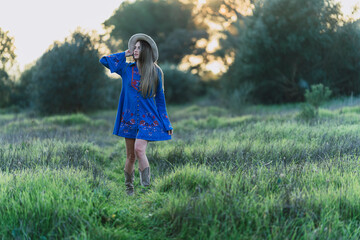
(148, 70)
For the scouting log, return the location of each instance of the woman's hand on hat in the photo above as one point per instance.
(128, 53)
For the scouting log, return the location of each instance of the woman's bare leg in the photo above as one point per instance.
(140, 152)
(130, 155)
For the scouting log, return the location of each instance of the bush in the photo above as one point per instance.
(308, 112)
(314, 98)
(180, 87)
(318, 95)
(68, 78)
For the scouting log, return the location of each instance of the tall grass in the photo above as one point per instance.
(266, 174)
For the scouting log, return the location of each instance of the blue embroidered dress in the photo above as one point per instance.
(137, 117)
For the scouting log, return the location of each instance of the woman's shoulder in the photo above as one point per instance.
(159, 70)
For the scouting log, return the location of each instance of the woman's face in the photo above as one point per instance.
(137, 50)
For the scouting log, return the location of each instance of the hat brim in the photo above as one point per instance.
(141, 36)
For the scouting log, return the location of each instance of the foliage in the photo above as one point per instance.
(21, 91)
(68, 77)
(289, 44)
(5, 89)
(180, 87)
(7, 49)
(341, 63)
(7, 57)
(111, 93)
(308, 112)
(229, 16)
(169, 23)
(318, 95)
(314, 99)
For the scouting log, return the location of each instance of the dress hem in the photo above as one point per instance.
(152, 140)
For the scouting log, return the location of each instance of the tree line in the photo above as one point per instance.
(274, 50)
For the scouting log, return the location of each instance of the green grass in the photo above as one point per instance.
(266, 174)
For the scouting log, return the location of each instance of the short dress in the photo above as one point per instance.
(138, 117)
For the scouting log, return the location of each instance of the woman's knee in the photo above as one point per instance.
(131, 157)
(139, 150)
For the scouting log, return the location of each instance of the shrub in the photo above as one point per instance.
(308, 112)
(180, 87)
(314, 98)
(318, 95)
(69, 78)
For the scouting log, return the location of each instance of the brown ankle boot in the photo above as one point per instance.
(145, 177)
(129, 183)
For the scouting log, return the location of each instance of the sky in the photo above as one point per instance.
(36, 24)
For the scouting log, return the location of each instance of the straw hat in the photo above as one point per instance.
(141, 36)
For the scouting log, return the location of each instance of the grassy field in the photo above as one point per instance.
(264, 174)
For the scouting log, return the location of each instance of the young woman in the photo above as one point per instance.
(141, 115)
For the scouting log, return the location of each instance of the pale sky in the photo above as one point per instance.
(36, 24)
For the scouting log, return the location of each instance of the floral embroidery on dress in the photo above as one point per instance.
(134, 82)
(137, 117)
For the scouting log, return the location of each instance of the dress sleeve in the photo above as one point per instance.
(161, 106)
(115, 62)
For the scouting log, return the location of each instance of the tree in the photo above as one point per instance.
(22, 90)
(228, 16)
(181, 86)
(5, 89)
(287, 45)
(341, 63)
(68, 77)
(7, 49)
(7, 57)
(168, 22)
